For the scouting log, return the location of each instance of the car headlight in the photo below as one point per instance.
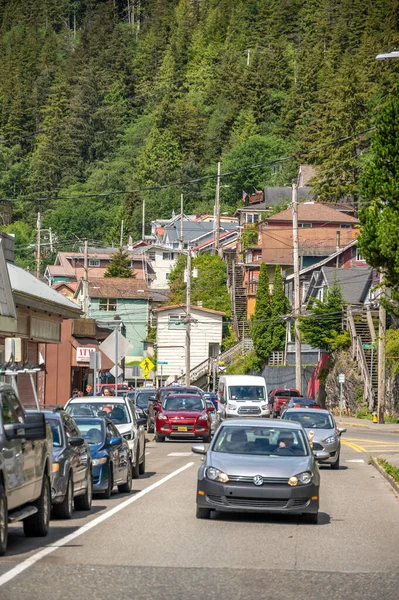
(216, 475)
(203, 417)
(128, 436)
(99, 461)
(302, 478)
(162, 417)
(330, 440)
(56, 467)
(264, 406)
(231, 406)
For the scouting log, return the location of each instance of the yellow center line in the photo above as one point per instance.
(371, 441)
(355, 447)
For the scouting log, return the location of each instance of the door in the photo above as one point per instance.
(13, 452)
(116, 454)
(78, 455)
(138, 437)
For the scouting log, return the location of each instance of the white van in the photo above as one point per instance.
(242, 396)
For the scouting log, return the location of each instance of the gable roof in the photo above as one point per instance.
(354, 282)
(118, 287)
(193, 307)
(313, 212)
(326, 260)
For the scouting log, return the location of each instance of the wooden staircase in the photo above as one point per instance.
(364, 351)
(240, 303)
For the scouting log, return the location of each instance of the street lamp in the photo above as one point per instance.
(388, 55)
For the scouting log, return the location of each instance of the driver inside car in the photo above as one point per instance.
(287, 445)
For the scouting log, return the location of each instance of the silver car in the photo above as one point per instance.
(253, 465)
(321, 429)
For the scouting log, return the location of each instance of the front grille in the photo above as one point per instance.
(317, 446)
(250, 480)
(249, 410)
(215, 499)
(300, 503)
(256, 502)
(175, 427)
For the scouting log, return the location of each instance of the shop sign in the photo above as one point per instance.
(83, 354)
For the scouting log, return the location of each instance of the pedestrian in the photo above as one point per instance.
(75, 393)
(89, 390)
(175, 382)
(106, 392)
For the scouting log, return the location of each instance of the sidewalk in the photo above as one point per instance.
(365, 424)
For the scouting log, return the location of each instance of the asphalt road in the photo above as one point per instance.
(150, 545)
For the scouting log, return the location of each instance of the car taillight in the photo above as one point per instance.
(316, 406)
(297, 406)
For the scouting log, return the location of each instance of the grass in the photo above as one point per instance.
(363, 413)
(389, 469)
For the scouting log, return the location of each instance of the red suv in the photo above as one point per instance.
(280, 396)
(183, 415)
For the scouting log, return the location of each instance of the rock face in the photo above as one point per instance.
(352, 389)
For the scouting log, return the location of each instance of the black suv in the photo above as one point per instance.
(72, 469)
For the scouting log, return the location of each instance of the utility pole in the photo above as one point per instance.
(86, 279)
(188, 318)
(39, 224)
(181, 222)
(143, 223)
(382, 322)
(297, 300)
(217, 211)
(121, 238)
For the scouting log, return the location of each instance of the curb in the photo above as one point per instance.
(345, 424)
(385, 474)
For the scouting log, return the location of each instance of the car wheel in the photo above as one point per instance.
(64, 510)
(108, 491)
(135, 467)
(207, 439)
(37, 525)
(84, 502)
(3, 521)
(336, 464)
(159, 438)
(142, 464)
(150, 426)
(311, 518)
(274, 415)
(126, 488)
(203, 513)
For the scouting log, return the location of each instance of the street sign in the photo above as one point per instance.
(145, 374)
(341, 378)
(162, 362)
(112, 371)
(368, 346)
(95, 360)
(108, 346)
(146, 364)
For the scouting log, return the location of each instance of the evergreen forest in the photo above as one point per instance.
(107, 103)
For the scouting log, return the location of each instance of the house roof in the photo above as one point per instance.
(118, 287)
(192, 230)
(324, 261)
(72, 285)
(26, 287)
(193, 307)
(354, 282)
(313, 212)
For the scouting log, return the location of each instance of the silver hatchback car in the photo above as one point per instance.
(321, 426)
(253, 465)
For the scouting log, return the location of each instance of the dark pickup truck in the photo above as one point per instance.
(25, 468)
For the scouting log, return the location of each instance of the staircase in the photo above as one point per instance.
(240, 303)
(361, 327)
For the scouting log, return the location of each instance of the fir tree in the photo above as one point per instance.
(119, 265)
(322, 328)
(261, 323)
(280, 306)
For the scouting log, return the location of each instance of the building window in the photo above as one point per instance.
(359, 257)
(167, 275)
(107, 304)
(151, 255)
(345, 226)
(176, 322)
(94, 262)
(168, 256)
(175, 245)
(305, 225)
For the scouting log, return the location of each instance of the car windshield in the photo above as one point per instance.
(116, 411)
(56, 433)
(247, 392)
(314, 420)
(183, 403)
(92, 431)
(263, 441)
(303, 401)
(143, 397)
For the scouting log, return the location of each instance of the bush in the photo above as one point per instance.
(244, 364)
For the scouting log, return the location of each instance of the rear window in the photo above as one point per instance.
(143, 397)
(178, 390)
(287, 393)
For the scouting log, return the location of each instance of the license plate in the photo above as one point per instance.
(181, 428)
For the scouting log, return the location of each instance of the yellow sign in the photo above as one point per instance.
(145, 374)
(146, 365)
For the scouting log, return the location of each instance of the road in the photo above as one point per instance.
(150, 545)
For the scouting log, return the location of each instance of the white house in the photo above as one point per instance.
(206, 337)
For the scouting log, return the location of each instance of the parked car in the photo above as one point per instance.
(325, 433)
(161, 394)
(299, 403)
(255, 465)
(140, 399)
(110, 454)
(213, 397)
(72, 482)
(123, 414)
(25, 468)
(278, 397)
(183, 415)
(212, 414)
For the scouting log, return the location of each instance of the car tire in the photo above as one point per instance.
(150, 426)
(84, 502)
(159, 438)
(274, 415)
(203, 513)
(65, 508)
(136, 467)
(37, 525)
(335, 465)
(107, 493)
(207, 439)
(142, 464)
(3, 521)
(311, 518)
(126, 488)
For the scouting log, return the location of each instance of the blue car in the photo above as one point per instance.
(213, 397)
(110, 453)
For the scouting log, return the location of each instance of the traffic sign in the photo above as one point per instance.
(368, 346)
(107, 347)
(146, 364)
(145, 374)
(341, 378)
(162, 362)
(112, 371)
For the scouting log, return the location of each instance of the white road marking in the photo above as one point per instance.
(360, 460)
(180, 454)
(29, 562)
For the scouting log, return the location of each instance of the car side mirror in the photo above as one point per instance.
(151, 399)
(76, 442)
(115, 441)
(341, 430)
(142, 421)
(321, 455)
(34, 428)
(157, 407)
(198, 448)
(210, 409)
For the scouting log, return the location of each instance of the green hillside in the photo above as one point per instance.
(99, 106)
